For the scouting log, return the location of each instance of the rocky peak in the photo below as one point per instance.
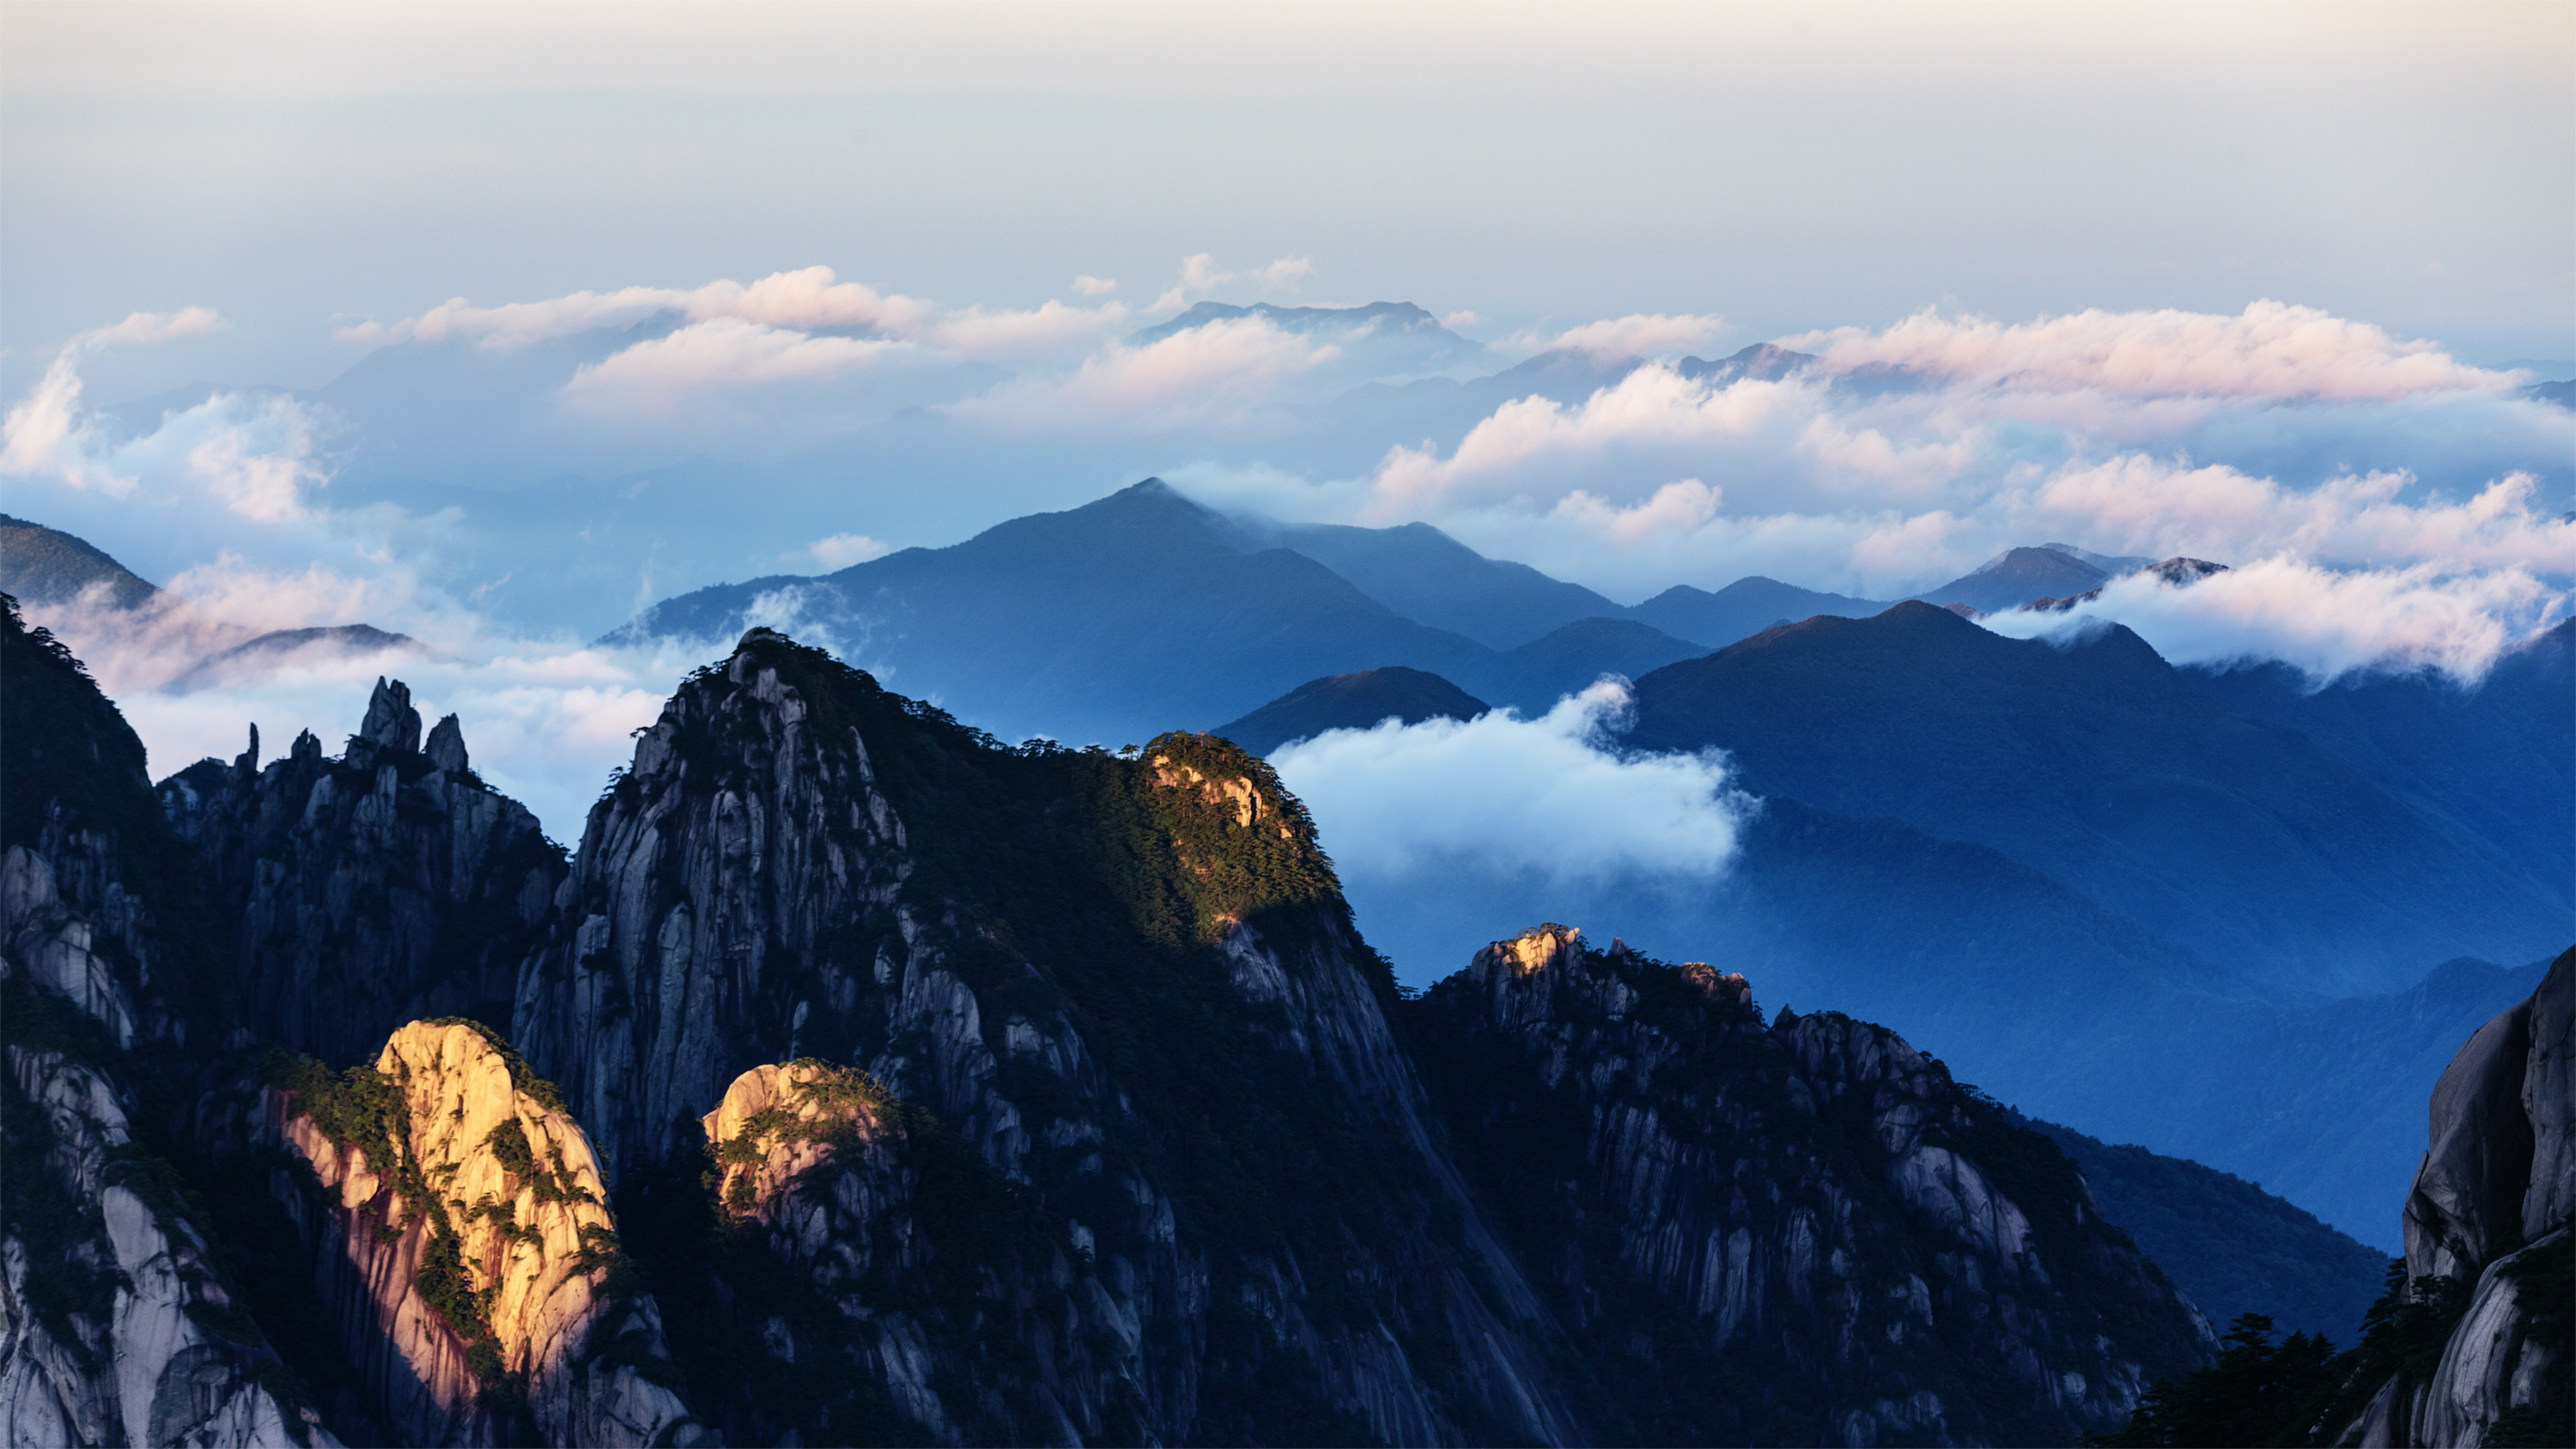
(356, 894)
(446, 748)
(463, 1241)
(777, 1123)
(391, 723)
(120, 1321)
(1116, 1007)
(1685, 1177)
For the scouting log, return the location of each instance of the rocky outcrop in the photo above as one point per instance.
(358, 893)
(461, 1240)
(119, 1320)
(1120, 1006)
(1788, 1221)
(811, 1163)
(2488, 1231)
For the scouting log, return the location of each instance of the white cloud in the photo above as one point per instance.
(2325, 622)
(2271, 351)
(723, 352)
(1844, 458)
(800, 302)
(1529, 442)
(1461, 318)
(844, 549)
(1617, 339)
(255, 456)
(1002, 335)
(1284, 274)
(46, 435)
(546, 719)
(1199, 276)
(1091, 286)
(516, 324)
(1503, 795)
(1220, 373)
(1680, 507)
(146, 328)
(2139, 504)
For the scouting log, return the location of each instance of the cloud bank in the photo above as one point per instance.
(1501, 795)
(2271, 351)
(2324, 622)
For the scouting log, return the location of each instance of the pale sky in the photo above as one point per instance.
(1786, 166)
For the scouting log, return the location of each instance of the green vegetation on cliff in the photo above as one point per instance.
(1096, 888)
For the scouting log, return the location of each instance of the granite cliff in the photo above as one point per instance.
(1132, 1032)
(2488, 1252)
(368, 890)
(121, 1320)
(456, 1226)
(1796, 1217)
(918, 1089)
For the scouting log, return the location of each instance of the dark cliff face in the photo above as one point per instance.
(1125, 992)
(121, 1310)
(363, 892)
(1805, 1233)
(2479, 1328)
(1098, 1121)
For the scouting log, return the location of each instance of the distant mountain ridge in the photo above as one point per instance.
(49, 571)
(2101, 764)
(1386, 316)
(1145, 609)
(1351, 702)
(40, 565)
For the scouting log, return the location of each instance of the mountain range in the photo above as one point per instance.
(859, 1079)
(2108, 841)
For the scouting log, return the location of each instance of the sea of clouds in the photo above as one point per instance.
(2381, 502)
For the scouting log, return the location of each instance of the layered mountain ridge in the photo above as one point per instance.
(988, 1094)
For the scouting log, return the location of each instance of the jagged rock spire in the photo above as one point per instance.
(391, 723)
(447, 746)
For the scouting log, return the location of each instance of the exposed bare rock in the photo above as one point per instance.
(360, 893)
(1137, 1063)
(2488, 1231)
(118, 1320)
(391, 723)
(2466, 1203)
(1786, 1222)
(2549, 1105)
(446, 747)
(117, 1323)
(462, 1240)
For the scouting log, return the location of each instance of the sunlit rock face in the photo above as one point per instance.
(358, 893)
(1150, 1163)
(2488, 1233)
(462, 1241)
(1771, 1228)
(119, 1320)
